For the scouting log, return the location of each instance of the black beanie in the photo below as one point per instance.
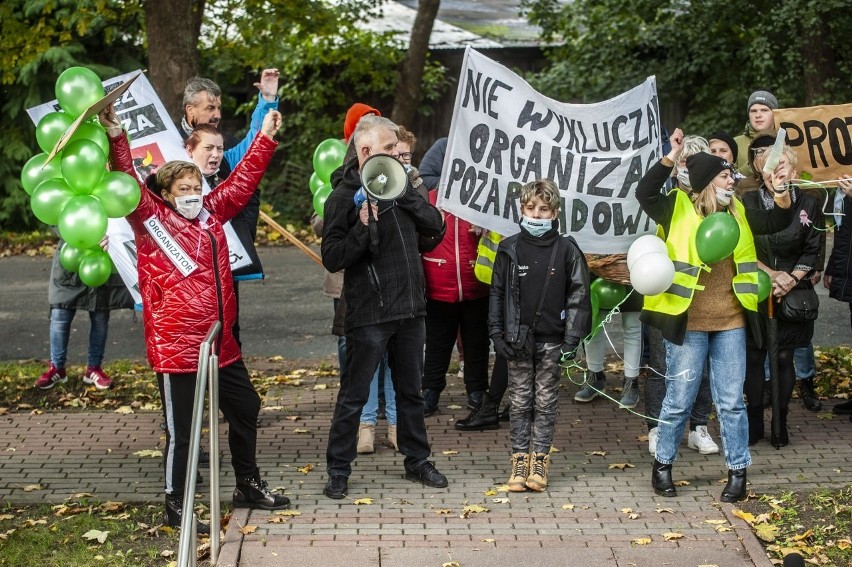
(703, 167)
(725, 137)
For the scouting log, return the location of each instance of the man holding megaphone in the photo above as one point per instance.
(374, 221)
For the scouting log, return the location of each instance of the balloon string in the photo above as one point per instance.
(569, 363)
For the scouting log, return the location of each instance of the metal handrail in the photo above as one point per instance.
(208, 367)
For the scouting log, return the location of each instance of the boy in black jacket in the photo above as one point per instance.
(533, 324)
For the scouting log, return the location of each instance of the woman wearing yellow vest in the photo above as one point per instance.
(705, 312)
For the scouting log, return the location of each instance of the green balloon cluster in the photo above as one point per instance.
(605, 295)
(73, 190)
(328, 156)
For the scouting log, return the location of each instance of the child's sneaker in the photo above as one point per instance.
(537, 480)
(51, 378)
(97, 378)
(520, 472)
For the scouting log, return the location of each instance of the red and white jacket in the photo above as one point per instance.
(449, 267)
(184, 273)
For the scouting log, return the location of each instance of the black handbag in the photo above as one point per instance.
(799, 305)
(524, 343)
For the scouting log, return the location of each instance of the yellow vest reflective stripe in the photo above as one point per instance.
(486, 252)
(682, 249)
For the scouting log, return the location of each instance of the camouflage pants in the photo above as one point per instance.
(534, 398)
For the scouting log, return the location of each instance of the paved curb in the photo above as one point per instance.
(752, 546)
(229, 554)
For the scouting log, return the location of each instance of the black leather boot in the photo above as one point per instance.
(755, 424)
(482, 418)
(661, 479)
(736, 489)
(253, 492)
(783, 439)
(808, 395)
(174, 513)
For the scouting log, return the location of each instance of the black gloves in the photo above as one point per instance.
(569, 350)
(502, 348)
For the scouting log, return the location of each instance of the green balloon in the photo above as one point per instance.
(95, 268)
(609, 294)
(597, 320)
(94, 133)
(315, 183)
(50, 128)
(319, 200)
(328, 156)
(716, 238)
(764, 285)
(83, 165)
(83, 222)
(70, 256)
(77, 88)
(49, 198)
(119, 194)
(35, 171)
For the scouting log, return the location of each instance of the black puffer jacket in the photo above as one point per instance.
(840, 263)
(388, 285)
(504, 304)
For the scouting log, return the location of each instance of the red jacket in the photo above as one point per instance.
(449, 267)
(178, 307)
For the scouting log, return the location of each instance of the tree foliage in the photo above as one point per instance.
(707, 56)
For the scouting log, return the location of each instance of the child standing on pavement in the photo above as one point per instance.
(539, 310)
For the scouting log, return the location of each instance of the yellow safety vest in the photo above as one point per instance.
(486, 252)
(688, 266)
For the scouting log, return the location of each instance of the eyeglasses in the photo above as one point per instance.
(758, 151)
(405, 156)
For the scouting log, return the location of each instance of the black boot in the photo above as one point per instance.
(783, 439)
(174, 513)
(736, 489)
(809, 397)
(504, 415)
(755, 424)
(253, 492)
(661, 479)
(482, 418)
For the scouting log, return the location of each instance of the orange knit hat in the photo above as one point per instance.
(353, 115)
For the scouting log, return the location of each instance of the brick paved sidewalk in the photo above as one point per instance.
(580, 520)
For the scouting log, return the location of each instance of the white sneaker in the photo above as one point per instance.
(652, 440)
(701, 441)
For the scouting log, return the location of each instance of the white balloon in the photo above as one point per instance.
(652, 273)
(643, 245)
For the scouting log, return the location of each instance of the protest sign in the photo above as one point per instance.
(822, 138)
(504, 134)
(154, 140)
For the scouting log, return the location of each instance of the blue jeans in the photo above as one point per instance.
(371, 409)
(685, 364)
(403, 341)
(803, 359)
(60, 332)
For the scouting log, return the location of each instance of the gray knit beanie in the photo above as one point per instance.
(762, 97)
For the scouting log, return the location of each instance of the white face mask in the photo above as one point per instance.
(188, 206)
(723, 196)
(683, 178)
(536, 227)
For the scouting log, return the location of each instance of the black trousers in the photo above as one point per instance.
(443, 322)
(238, 402)
(365, 346)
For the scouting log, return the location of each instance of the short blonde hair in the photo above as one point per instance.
(175, 169)
(692, 145)
(544, 189)
(760, 160)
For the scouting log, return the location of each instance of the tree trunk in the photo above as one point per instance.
(820, 64)
(408, 92)
(173, 30)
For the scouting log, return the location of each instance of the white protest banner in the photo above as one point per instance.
(504, 134)
(154, 140)
(822, 138)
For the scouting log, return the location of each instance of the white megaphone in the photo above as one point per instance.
(383, 177)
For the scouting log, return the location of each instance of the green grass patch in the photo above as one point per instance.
(815, 524)
(70, 534)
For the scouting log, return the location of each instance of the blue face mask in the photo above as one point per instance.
(536, 227)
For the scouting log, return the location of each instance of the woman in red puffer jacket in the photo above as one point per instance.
(186, 285)
(455, 301)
